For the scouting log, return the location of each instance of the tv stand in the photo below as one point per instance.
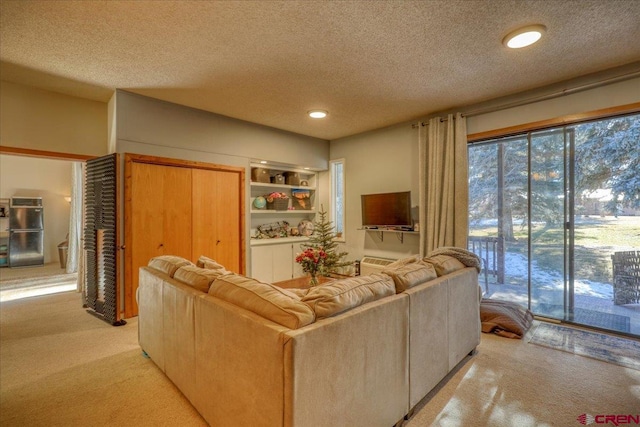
(399, 233)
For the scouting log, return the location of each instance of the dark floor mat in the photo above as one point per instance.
(583, 316)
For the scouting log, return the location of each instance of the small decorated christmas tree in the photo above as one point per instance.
(322, 239)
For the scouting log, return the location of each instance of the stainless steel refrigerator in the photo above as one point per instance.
(26, 232)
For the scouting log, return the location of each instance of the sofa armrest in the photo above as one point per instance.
(463, 314)
(151, 314)
(350, 369)
(239, 369)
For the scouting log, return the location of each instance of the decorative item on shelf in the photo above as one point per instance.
(304, 183)
(273, 230)
(305, 228)
(277, 179)
(292, 178)
(301, 199)
(260, 202)
(277, 201)
(260, 175)
(312, 261)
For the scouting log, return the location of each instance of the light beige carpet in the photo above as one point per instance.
(60, 366)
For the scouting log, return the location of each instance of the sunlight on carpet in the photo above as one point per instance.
(607, 348)
(34, 291)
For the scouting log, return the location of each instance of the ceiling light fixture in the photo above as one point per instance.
(318, 114)
(524, 36)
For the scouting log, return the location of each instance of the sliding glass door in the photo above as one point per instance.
(555, 217)
(547, 226)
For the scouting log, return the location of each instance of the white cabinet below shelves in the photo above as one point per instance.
(272, 263)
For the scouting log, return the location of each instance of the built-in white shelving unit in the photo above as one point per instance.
(273, 259)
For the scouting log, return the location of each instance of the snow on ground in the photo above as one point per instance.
(541, 279)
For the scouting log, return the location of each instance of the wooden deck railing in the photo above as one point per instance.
(491, 252)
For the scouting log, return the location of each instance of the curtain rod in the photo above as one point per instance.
(552, 95)
(539, 98)
(415, 125)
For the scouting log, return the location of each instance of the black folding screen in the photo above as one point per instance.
(100, 242)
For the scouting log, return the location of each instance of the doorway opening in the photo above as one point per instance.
(53, 182)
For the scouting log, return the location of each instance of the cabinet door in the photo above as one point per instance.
(262, 263)
(272, 263)
(282, 262)
(216, 217)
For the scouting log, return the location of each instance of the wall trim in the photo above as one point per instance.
(166, 161)
(558, 121)
(27, 152)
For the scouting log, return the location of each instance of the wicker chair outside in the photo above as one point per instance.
(626, 277)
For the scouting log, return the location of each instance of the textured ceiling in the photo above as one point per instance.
(369, 63)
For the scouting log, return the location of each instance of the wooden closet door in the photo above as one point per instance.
(177, 226)
(160, 218)
(217, 217)
(227, 220)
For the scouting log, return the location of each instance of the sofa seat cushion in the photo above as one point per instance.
(271, 302)
(199, 278)
(168, 264)
(444, 264)
(336, 297)
(411, 274)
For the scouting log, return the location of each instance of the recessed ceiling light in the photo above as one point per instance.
(264, 162)
(318, 114)
(524, 36)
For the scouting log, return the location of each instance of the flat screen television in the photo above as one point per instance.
(390, 210)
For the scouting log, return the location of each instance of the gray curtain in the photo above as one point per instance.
(444, 190)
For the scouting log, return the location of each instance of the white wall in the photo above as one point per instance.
(613, 95)
(37, 119)
(151, 127)
(381, 161)
(387, 159)
(46, 178)
(200, 135)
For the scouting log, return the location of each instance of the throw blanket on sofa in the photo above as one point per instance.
(504, 318)
(466, 257)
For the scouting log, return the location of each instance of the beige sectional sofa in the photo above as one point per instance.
(359, 351)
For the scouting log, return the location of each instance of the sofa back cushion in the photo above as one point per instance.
(403, 261)
(205, 262)
(199, 278)
(268, 301)
(411, 274)
(336, 297)
(444, 264)
(168, 264)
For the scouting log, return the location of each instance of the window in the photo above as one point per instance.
(550, 212)
(337, 196)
